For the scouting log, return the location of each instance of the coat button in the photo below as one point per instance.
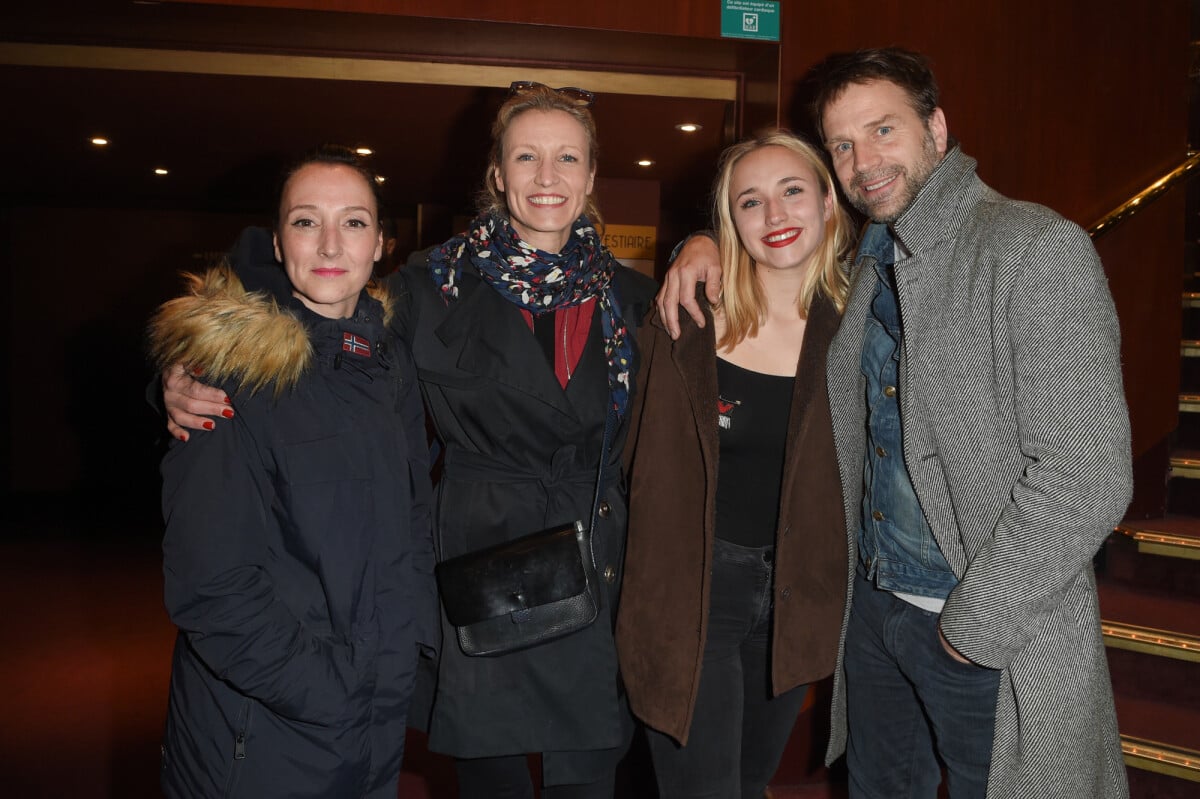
(610, 574)
(604, 511)
(877, 515)
(785, 593)
(881, 452)
(889, 391)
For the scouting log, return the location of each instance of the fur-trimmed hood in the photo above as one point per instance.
(223, 333)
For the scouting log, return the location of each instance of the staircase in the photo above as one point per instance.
(1150, 604)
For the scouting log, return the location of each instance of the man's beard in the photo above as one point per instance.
(914, 177)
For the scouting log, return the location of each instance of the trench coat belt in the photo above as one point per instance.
(563, 471)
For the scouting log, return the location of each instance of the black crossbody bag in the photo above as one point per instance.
(525, 592)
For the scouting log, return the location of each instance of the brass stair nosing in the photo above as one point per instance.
(1151, 641)
(1153, 542)
(1189, 348)
(1191, 299)
(1173, 761)
(1189, 403)
(1185, 467)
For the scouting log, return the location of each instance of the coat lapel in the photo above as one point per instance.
(492, 340)
(693, 355)
(822, 323)
(847, 403)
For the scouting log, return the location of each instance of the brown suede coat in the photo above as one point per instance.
(672, 455)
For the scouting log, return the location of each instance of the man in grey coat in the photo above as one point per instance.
(983, 445)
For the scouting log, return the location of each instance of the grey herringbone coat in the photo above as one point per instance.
(1016, 436)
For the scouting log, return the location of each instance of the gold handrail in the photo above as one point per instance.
(1145, 197)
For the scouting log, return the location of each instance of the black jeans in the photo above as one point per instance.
(738, 730)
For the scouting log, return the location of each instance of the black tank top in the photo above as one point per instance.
(752, 419)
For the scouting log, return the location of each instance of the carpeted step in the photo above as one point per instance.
(1158, 736)
(1156, 555)
(1157, 604)
(1151, 620)
(1150, 605)
(1145, 784)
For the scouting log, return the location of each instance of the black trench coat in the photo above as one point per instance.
(520, 456)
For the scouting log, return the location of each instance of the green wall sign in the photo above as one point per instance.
(750, 19)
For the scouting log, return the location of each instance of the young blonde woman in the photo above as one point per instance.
(736, 566)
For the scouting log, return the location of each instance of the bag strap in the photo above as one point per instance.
(604, 450)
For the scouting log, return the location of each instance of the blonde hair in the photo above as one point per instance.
(536, 98)
(742, 299)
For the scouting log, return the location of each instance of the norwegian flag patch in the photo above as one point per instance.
(356, 345)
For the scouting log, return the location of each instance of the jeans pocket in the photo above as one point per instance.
(952, 663)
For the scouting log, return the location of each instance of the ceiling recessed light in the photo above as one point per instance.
(689, 127)
(99, 141)
(645, 162)
(160, 171)
(364, 150)
(380, 179)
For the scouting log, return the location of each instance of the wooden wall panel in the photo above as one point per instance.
(676, 17)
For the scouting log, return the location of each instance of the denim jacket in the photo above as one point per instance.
(896, 547)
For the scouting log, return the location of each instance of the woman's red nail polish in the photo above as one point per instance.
(227, 413)
(208, 425)
(227, 402)
(182, 437)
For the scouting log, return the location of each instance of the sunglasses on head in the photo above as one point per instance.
(580, 97)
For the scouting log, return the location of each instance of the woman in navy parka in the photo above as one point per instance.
(297, 556)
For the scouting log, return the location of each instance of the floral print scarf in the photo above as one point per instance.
(539, 281)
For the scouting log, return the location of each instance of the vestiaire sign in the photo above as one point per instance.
(633, 245)
(750, 19)
(631, 241)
